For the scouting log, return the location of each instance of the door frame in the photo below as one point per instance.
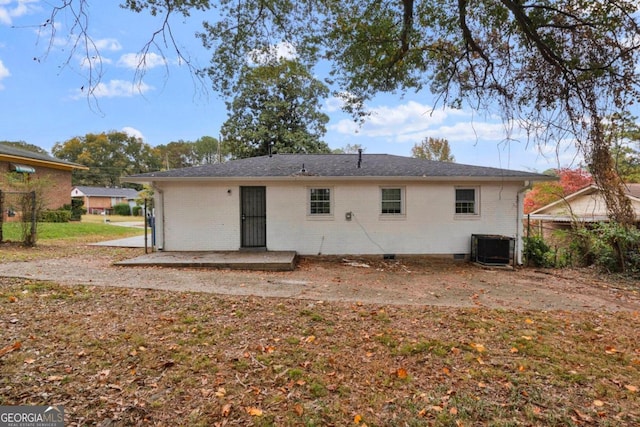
(257, 224)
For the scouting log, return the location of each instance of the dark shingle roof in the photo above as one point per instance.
(335, 165)
(128, 193)
(10, 150)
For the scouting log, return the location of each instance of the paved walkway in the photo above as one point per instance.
(129, 242)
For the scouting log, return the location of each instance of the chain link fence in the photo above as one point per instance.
(18, 216)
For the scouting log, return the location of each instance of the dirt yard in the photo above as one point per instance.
(336, 342)
(406, 281)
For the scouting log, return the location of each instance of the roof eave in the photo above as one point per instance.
(149, 179)
(37, 162)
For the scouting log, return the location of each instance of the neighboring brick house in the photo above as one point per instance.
(98, 200)
(32, 166)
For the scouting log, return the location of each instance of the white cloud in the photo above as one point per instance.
(116, 89)
(10, 9)
(412, 121)
(146, 62)
(471, 132)
(561, 154)
(4, 73)
(94, 59)
(111, 45)
(334, 104)
(398, 122)
(282, 50)
(133, 132)
(94, 62)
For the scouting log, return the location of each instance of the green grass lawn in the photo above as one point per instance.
(85, 231)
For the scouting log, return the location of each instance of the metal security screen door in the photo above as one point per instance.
(253, 217)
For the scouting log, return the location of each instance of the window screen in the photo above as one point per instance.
(320, 201)
(391, 201)
(465, 200)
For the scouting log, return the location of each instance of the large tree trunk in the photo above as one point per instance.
(604, 173)
(611, 186)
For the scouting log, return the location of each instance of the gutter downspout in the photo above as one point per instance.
(160, 199)
(520, 219)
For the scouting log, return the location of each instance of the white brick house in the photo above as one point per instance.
(336, 204)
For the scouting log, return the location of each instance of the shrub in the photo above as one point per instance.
(60, 215)
(610, 246)
(76, 208)
(537, 252)
(137, 210)
(122, 209)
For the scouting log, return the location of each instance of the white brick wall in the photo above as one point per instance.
(205, 216)
(199, 217)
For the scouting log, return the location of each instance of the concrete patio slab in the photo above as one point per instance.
(234, 260)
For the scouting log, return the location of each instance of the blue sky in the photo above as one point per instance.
(41, 101)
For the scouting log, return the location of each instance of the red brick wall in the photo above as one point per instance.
(58, 193)
(98, 203)
(58, 189)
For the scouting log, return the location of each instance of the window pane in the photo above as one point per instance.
(465, 195)
(391, 201)
(320, 201)
(466, 201)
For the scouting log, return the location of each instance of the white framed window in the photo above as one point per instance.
(320, 202)
(391, 201)
(467, 202)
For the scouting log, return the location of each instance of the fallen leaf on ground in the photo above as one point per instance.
(480, 348)
(401, 373)
(631, 388)
(12, 347)
(226, 410)
(254, 412)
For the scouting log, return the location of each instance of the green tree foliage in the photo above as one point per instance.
(433, 149)
(625, 135)
(183, 154)
(109, 156)
(555, 66)
(277, 105)
(25, 146)
(209, 150)
(177, 154)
